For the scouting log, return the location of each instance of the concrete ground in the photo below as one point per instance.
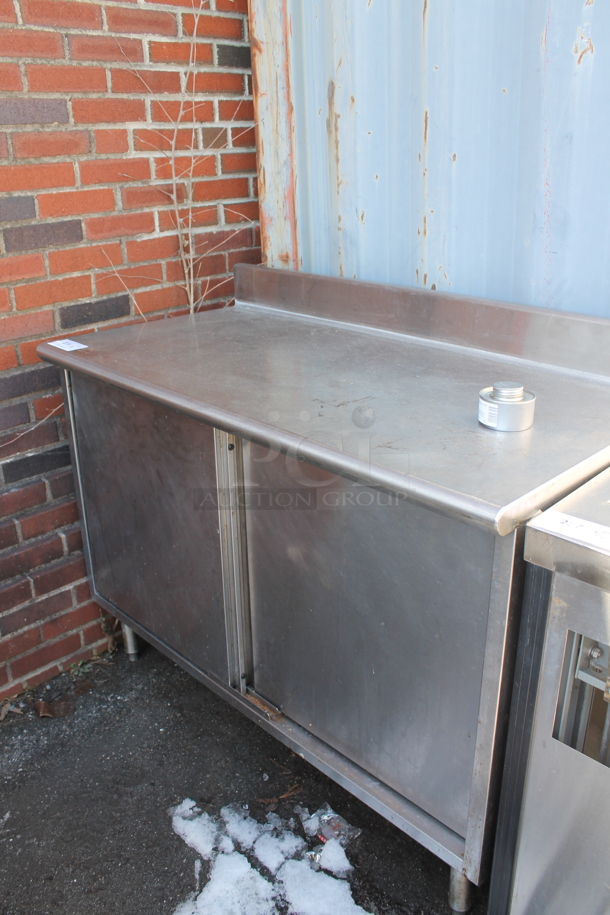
(84, 824)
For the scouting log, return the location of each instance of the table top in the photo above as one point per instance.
(395, 410)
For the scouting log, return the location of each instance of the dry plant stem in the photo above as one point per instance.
(35, 426)
(184, 178)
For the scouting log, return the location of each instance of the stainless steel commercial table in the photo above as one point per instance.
(294, 498)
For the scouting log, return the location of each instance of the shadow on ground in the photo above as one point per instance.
(88, 832)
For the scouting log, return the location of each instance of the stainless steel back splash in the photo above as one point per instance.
(558, 339)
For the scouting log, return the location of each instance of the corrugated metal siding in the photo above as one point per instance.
(452, 144)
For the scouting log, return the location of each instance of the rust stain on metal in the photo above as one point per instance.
(589, 2)
(424, 14)
(454, 157)
(291, 190)
(270, 31)
(425, 226)
(425, 278)
(426, 118)
(334, 157)
(433, 286)
(580, 50)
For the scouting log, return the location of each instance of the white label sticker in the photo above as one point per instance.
(577, 530)
(68, 345)
(488, 413)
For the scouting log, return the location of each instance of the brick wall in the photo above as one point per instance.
(89, 96)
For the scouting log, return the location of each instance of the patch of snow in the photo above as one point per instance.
(333, 858)
(311, 893)
(272, 851)
(198, 831)
(241, 827)
(235, 886)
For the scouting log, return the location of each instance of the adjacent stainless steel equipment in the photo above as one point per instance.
(294, 499)
(558, 774)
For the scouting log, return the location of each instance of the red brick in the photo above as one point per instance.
(76, 260)
(82, 592)
(21, 498)
(220, 189)
(94, 634)
(238, 162)
(35, 611)
(73, 619)
(44, 656)
(247, 256)
(197, 216)
(48, 519)
(14, 326)
(10, 78)
(41, 677)
(76, 203)
(157, 299)
(30, 43)
(94, 47)
(212, 265)
(179, 52)
(108, 171)
(60, 14)
(122, 224)
(8, 534)
(61, 483)
(111, 141)
(48, 406)
(52, 291)
(63, 78)
(203, 166)
(218, 83)
(35, 144)
(242, 212)
(243, 136)
(3, 146)
(183, 111)
(232, 110)
(5, 302)
(7, 11)
(216, 289)
(137, 82)
(149, 22)
(213, 26)
(36, 437)
(232, 6)
(8, 356)
(25, 558)
(223, 240)
(107, 110)
(151, 195)
(34, 177)
(22, 267)
(152, 249)
(12, 595)
(59, 575)
(19, 644)
(147, 140)
(74, 540)
(132, 278)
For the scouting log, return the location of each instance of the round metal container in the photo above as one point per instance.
(506, 407)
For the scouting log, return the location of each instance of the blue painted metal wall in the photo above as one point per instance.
(460, 145)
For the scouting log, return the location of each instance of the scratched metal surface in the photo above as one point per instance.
(441, 144)
(295, 382)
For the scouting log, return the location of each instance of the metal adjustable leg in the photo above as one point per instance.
(460, 891)
(130, 642)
